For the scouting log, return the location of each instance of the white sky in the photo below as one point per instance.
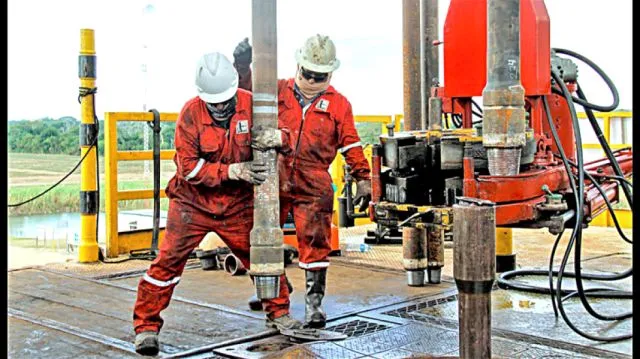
(44, 40)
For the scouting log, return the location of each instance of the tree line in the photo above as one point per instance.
(62, 136)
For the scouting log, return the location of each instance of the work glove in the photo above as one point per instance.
(263, 139)
(242, 56)
(251, 172)
(363, 194)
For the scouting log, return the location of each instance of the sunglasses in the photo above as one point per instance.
(316, 76)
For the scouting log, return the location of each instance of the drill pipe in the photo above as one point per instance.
(430, 59)
(474, 268)
(266, 254)
(411, 64)
(435, 253)
(503, 126)
(414, 254)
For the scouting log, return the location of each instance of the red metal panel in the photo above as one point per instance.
(524, 186)
(511, 213)
(465, 48)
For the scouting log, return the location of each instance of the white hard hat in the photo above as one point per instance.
(216, 78)
(318, 54)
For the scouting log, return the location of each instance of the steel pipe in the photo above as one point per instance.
(411, 64)
(430, 60)
(266, 253)
(474, 268)
(503, 125)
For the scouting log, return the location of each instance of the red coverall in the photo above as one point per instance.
(316, 135)
(202, 199)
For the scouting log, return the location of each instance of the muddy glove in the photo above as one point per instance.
(248, 171)
(242, 56)
(363, 193)
(263, 139)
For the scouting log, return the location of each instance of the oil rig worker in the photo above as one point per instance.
(212, 191)
(321, 124)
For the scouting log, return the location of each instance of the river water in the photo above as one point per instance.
(66, 226)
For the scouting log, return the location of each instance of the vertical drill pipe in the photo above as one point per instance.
(376, 170)
(88, 248)
(430, 59)
(435, 253)
(414, 254)
(411, 64)
(503, 96)
(474, 267)
(266, 253)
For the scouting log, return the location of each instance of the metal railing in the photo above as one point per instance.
(113, 156)
(113, 195)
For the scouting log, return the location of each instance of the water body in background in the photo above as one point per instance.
(66, 226)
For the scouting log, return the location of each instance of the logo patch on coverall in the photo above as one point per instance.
(322, 105)
(242, 127)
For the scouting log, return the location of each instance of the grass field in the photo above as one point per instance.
(31, 174)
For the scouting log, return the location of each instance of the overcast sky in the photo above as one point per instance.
(44, 40)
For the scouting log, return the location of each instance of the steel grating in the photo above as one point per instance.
(405, 312)
(506, 343)
(389, 339)
(358, 327)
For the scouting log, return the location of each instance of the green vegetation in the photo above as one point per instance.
(66, 198)
(30, 175)
(61, 136)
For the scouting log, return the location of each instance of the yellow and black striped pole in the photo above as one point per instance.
(88, 247)
(505, 258)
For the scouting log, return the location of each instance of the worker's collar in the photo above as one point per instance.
(303, 100)
(291, 84)
(240, 111)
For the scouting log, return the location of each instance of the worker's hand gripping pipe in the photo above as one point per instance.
(266, 253)
(474, 268)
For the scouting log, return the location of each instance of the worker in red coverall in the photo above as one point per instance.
(321, 123)
(212, 191)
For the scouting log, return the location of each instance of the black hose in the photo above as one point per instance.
(607, 202)
(576, 236)
(605, 146)
(505, 283)
(556, 138)
(596, 68)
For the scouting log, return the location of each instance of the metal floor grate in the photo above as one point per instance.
(356, 328)
(405, 312)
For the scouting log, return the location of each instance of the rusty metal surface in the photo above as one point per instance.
(83, 306)
(101, 270)
(29, 340)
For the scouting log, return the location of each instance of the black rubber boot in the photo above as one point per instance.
(147, 343)
(316, 282)
(256, 304)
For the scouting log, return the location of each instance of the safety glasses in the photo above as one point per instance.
(316, 76)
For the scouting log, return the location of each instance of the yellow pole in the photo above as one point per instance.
(505, 258)
(88, 248)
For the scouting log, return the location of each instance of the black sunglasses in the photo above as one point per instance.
(316, 76)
